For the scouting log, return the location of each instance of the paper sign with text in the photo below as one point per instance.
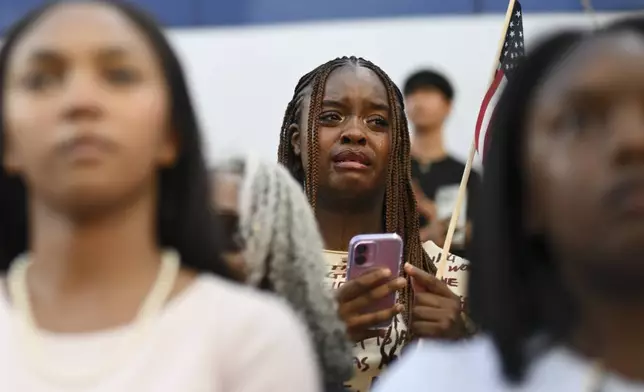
(456, 270)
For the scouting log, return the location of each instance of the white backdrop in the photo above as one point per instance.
(243, 78)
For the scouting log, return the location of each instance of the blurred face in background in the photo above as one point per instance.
(585, 160)
(427, 108)
(85, 109)
(225, 200)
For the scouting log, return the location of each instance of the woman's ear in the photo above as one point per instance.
(296, 139)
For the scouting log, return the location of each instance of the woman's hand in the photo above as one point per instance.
(355, 295)
(436, 312)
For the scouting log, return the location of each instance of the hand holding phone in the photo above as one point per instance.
(368, 299)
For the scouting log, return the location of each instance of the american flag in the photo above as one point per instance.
(513, 50)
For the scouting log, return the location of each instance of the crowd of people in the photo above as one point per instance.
(129, 265)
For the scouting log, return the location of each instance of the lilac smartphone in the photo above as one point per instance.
(371, 251)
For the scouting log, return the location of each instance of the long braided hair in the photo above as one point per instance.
(400, 215)
(283, 254)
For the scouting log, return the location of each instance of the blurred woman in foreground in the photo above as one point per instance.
(557, 280)
(114, 282)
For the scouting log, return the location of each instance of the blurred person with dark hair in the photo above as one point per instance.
(436, 174)
(114, 279)
(273, 242)
(557, 281)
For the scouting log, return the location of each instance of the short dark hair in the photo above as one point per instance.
(185, 219)
(429, 79)
(516, 292)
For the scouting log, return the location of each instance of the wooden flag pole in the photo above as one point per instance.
(442, 262)
(587, 5)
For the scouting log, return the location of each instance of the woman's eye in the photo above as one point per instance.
(582, 121)
(379, 121)
(39, 80)
(121, 75)
(330, 117)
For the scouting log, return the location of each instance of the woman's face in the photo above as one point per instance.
(354, 133)
(585, 159)
(85, 110)
(225, 200)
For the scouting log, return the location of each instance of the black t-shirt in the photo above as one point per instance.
(440, 181)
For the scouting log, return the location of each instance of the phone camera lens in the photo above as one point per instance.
(360, 260)
(360, 249)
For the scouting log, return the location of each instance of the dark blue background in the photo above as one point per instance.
(189, 13)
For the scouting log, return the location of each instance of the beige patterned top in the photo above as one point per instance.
(368, 358)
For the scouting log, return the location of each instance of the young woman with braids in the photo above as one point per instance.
(557, 280)
(271, 240)
(111, 275)
(345, 139)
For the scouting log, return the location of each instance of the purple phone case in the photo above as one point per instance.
(387, 253)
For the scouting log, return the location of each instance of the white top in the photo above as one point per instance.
(214, 337)
(474, 366)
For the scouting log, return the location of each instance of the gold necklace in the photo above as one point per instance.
(31, 336)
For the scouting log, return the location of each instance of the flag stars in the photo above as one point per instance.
(513, 46)
(511, 53)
